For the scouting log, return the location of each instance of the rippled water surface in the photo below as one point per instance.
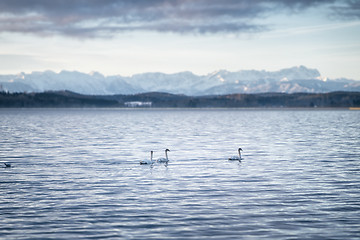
(76, 174)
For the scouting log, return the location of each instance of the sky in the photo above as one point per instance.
(128, 37)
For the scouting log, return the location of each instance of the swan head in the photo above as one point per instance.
(167, 150)
(240, 149)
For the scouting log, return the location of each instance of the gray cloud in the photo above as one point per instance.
(105, 18)
(349, 10)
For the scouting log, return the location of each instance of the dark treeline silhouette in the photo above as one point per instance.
(162, 100)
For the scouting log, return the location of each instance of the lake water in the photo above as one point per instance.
(76, 174)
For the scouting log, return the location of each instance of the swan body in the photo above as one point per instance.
(164, 160)
(148, 161)
(236, 158)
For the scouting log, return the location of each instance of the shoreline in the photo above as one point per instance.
(190, 109)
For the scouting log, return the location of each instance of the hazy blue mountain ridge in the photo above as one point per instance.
(290, 80)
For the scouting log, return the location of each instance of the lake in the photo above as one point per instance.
(76, 175)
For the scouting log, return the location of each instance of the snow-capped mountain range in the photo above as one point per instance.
(290, 80)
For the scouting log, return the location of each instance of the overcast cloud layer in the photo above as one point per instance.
(105, 18)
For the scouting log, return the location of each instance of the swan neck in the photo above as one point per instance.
(166, 155)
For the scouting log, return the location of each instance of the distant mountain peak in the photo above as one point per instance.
(96, 74)
(300, 72)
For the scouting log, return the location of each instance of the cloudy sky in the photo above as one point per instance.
(134, 36)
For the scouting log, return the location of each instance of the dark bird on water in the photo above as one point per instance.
(7, 165)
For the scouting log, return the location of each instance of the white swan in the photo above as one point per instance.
(166, 159)
(148, 161)
(236, 158)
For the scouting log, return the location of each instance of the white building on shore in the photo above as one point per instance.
(137, 104)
